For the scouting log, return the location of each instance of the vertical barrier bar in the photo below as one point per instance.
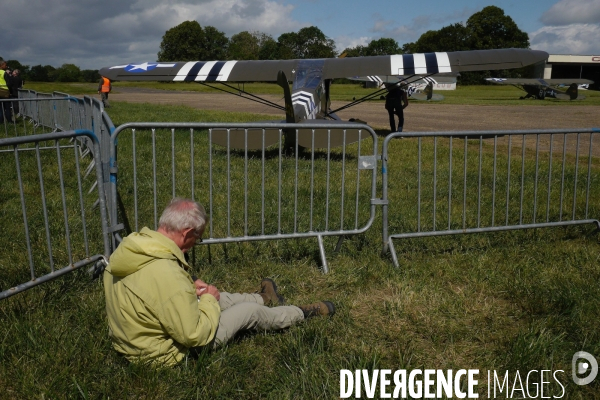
(419, 186)
(535, 183)
(434, 181)
(494, 180)
(154, 191)
(522, 180)
(576, 174)
(464, 224)
(479, 182)
(79, 186)
(357, 183)
(64, 202)
(312, 178)
(296, 152)
(210, 180)
(262, 206)
(589, 177)
(44, 206)
(450, 187)
(173, 162)
(327, 180)
(343, 182)
(246, 183)
(192, 182)
(549, 177)
(279, 181)
(562, 176)
(228, 182)
(508, 178)
(135, 185)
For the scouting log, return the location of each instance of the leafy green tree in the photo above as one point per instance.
(383, 47)
(189, 42)
(455, 37)
(67, 73)
(378, 47)
(269, 48)
(308, 42)
(490, 28)
(252, 46)
(357, 51)
(214, 45)
(244, 46)
(90, 75)
(40, 73)
(183, 42)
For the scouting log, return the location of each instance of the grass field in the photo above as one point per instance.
(516, 301)
(475, 95)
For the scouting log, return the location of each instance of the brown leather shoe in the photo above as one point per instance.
(268, 291)
(322, 308)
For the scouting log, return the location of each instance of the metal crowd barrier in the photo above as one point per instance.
(264, 194)
(49, 221)
(490, 181)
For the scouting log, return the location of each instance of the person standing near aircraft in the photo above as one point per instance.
(104, 88)
(395, 102)
(157, 312)
(5, 83)
(16, 84)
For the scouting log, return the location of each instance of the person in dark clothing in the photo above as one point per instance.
(16, 84)
(395, 102)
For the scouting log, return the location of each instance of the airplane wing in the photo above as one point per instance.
(266, 70)
(540, 82)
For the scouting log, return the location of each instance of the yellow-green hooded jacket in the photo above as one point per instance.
(153, 312)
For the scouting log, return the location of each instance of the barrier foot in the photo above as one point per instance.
(322, 251)
(338, 246)
(393, 253)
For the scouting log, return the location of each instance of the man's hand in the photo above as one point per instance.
(204, 288)
(213, 290)
(201, 287)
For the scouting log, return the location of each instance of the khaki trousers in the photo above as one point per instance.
(241, 311)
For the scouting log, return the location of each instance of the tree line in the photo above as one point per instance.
(489, 28)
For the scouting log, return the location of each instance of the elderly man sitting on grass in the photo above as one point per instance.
(157, 312)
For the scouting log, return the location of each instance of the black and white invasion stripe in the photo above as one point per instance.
(421, 63)
(205, 71)
(306, 100)
(376, 79)
(429, 80)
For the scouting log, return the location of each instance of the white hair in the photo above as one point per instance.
(183, 214)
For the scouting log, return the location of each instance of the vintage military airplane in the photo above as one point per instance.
(309, 99)
(542, 88)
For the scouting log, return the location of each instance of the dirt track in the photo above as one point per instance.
(419, 116)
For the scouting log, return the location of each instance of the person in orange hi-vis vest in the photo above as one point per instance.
(104, 88)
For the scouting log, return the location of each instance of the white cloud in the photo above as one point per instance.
(567, 12)
(572, 39)
(93, 34)
(420, 24)
(344, 42)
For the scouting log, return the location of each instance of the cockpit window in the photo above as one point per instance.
(309, 74)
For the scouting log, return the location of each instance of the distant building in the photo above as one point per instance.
(561, 66)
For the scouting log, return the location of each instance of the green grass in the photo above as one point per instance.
(516, 300)
(466, 95)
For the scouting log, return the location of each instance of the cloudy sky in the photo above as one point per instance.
(93, 34)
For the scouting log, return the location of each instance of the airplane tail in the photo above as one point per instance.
(572, 91)
(287, 96)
